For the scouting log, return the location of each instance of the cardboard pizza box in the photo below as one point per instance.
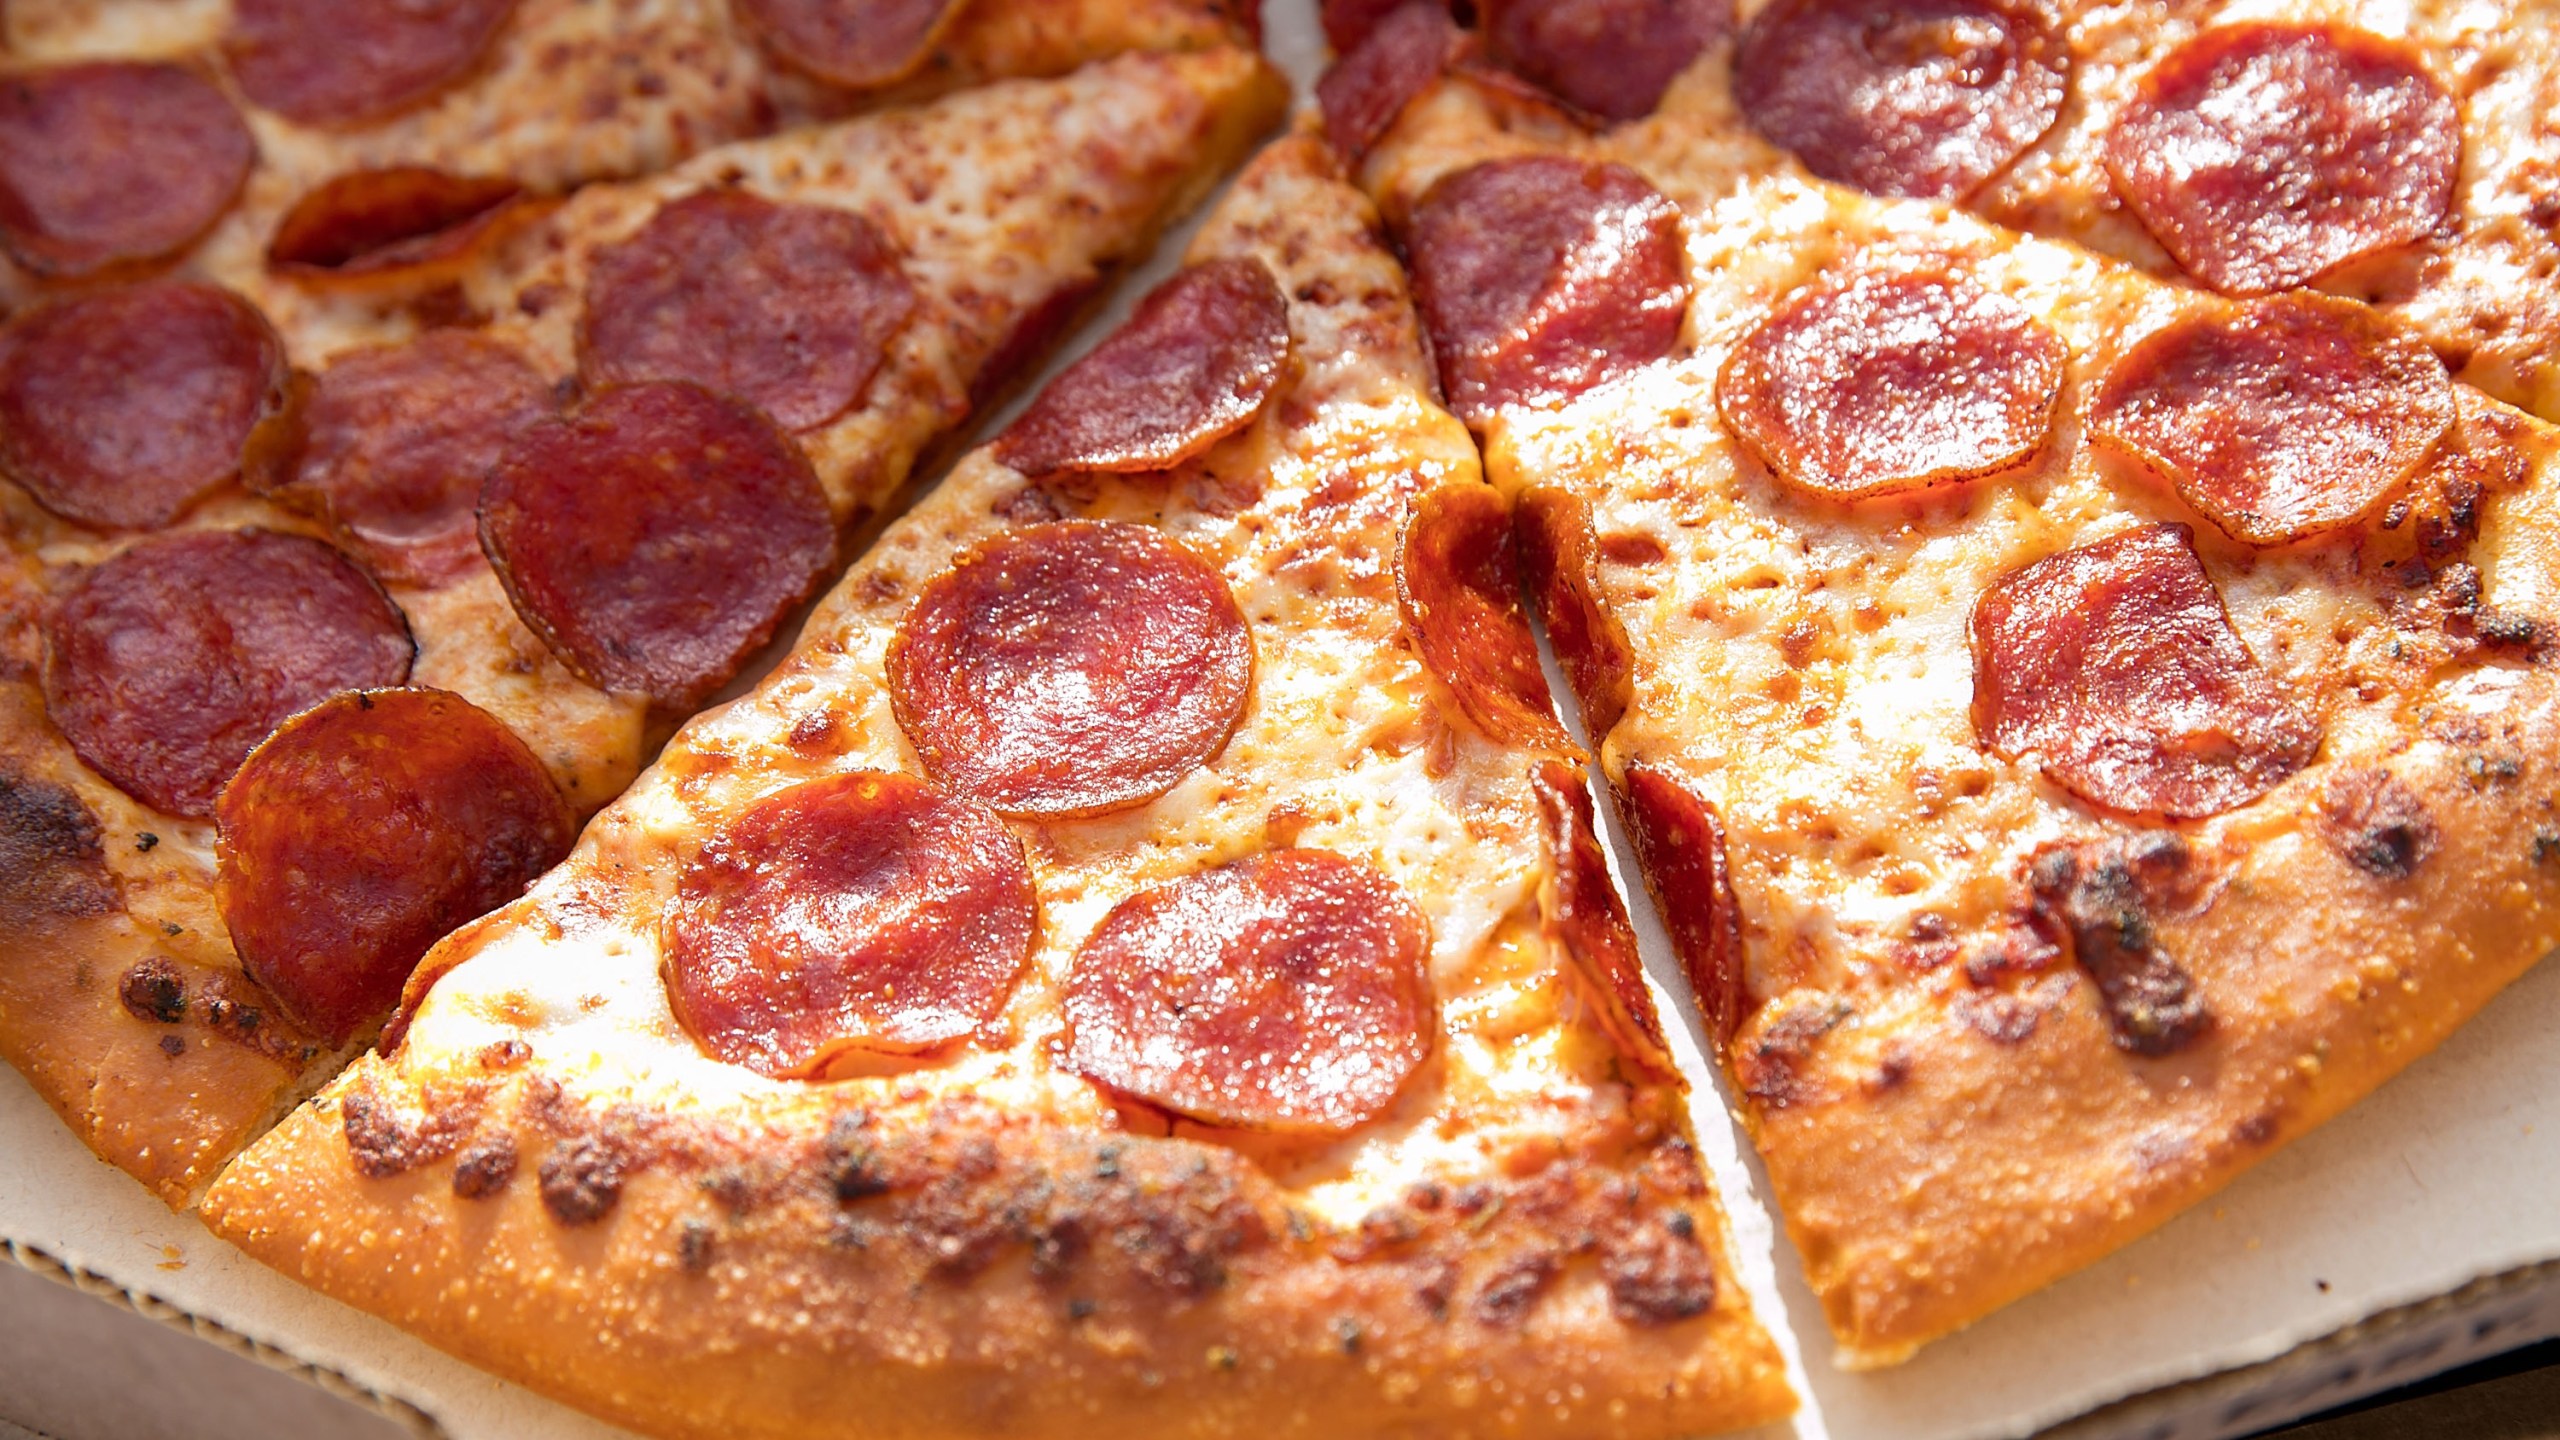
(2415, 1233)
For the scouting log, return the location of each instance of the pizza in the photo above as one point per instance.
(2406, 156)
(552, 502)
(1143, 960)
(2081, 730)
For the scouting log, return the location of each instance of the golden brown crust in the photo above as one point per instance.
(817, 1275)
(1989, 1032)
(119, 999)
(578, 1197)
(1987, 1141)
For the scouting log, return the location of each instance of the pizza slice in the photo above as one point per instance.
(2403, 155)
(2081, 731)
(773, 336)
(1142, 963)
(370, 145)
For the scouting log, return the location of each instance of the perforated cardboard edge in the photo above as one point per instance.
(151, 1307)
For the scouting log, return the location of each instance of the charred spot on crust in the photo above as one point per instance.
(2377, 823)
(384, 1141)
(154, 992)
(173, 1046)
(855, 1168)
(1659, 1273)
(2109, 896)
(582, 1179)
(1771, 1062)
(52, 863)
(1514, 1286)
(693, 1245)
(485, 1169)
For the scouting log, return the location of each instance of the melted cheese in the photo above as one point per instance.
(1341, 748)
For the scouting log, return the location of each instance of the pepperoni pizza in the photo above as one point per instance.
(2081, 730)
(2405, 155)
(1142, 962)
(538, 517)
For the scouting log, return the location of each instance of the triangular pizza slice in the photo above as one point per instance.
(681, 394)
(2082, 731)
(1142, 962)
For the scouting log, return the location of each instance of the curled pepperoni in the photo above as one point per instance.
(1904, 97)
(124, 407)
(791, 307)
(328, 62)
(854, 43)
(1877, 382)
(655, 535)
(2115, 666)
(863, 912)
(2263, 155)
(1561, 560)
(1192, 366)
(394, 440)
(2280, 418)
(1362, 93)
(1071, 669)
(370, 222)
(1282, 992)
(168, 663)
(364, 830)
(1680, 847)
(114, 162)
(1580, 905)
(1460, 591)
(1613, 58)
(1541, 276)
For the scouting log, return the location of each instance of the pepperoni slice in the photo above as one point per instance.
(328, 62)
(1877, 382)
(1071, 669)
(2115, 665)
(1282, 992)
(1541, 276)
(1362, 93)
(1348, 22)
(1460, 592)
(791, 307)
(1613, 58)
(1561, 560)
(655, 535)
(124, 407)
(1192, 366)
(863, 912)
(368, 222)
(1680, 847)
(2263, 155)
(1580, 906)
(364, 830)
(2279, 418)
(855, 43)
(168, 663)
(113, 163)
(394, 441)
(1904, 97)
